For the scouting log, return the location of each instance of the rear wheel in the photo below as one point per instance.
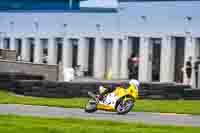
(91, 106)
(124, 107)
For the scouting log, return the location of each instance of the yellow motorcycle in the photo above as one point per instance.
(121, 100)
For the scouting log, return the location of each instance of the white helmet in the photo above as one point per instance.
(135, 83)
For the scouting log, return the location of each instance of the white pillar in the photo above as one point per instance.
(38, 51)
(167, 62)
(52, 51)
(99, 58)
(1, 42)
(191, 49)
(12, 43)
(115, 59)
(2, 37)
(67, 53)
(25, 50)
(83, 53)
(87, 55)
(124, 58)
(198, 84)
(145, 64)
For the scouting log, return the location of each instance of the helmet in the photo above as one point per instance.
(135, 83)
(101, 89)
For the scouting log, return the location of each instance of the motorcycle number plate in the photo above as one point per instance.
(111, 99)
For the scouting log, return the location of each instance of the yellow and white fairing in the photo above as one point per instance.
(111, 99)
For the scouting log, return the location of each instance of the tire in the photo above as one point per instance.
(91, 106)
(120, 107)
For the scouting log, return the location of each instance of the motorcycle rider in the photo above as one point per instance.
(103, 91)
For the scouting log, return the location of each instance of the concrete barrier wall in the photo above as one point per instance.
(50, 72)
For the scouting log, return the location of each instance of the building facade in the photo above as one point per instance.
(100, 40)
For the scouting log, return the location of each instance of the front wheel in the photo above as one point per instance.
(91, 106)
(124, 107)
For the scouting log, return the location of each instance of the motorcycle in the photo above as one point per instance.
(121, 100)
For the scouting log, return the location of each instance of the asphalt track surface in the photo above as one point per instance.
(143, 117)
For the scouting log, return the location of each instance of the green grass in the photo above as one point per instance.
(163, 106)
(19, 124)
(8, 98)
(169, 106)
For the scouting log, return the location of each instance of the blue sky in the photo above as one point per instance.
(107, 3)
(100, 3)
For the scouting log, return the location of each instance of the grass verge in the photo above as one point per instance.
(163, 106)
(22, 124)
